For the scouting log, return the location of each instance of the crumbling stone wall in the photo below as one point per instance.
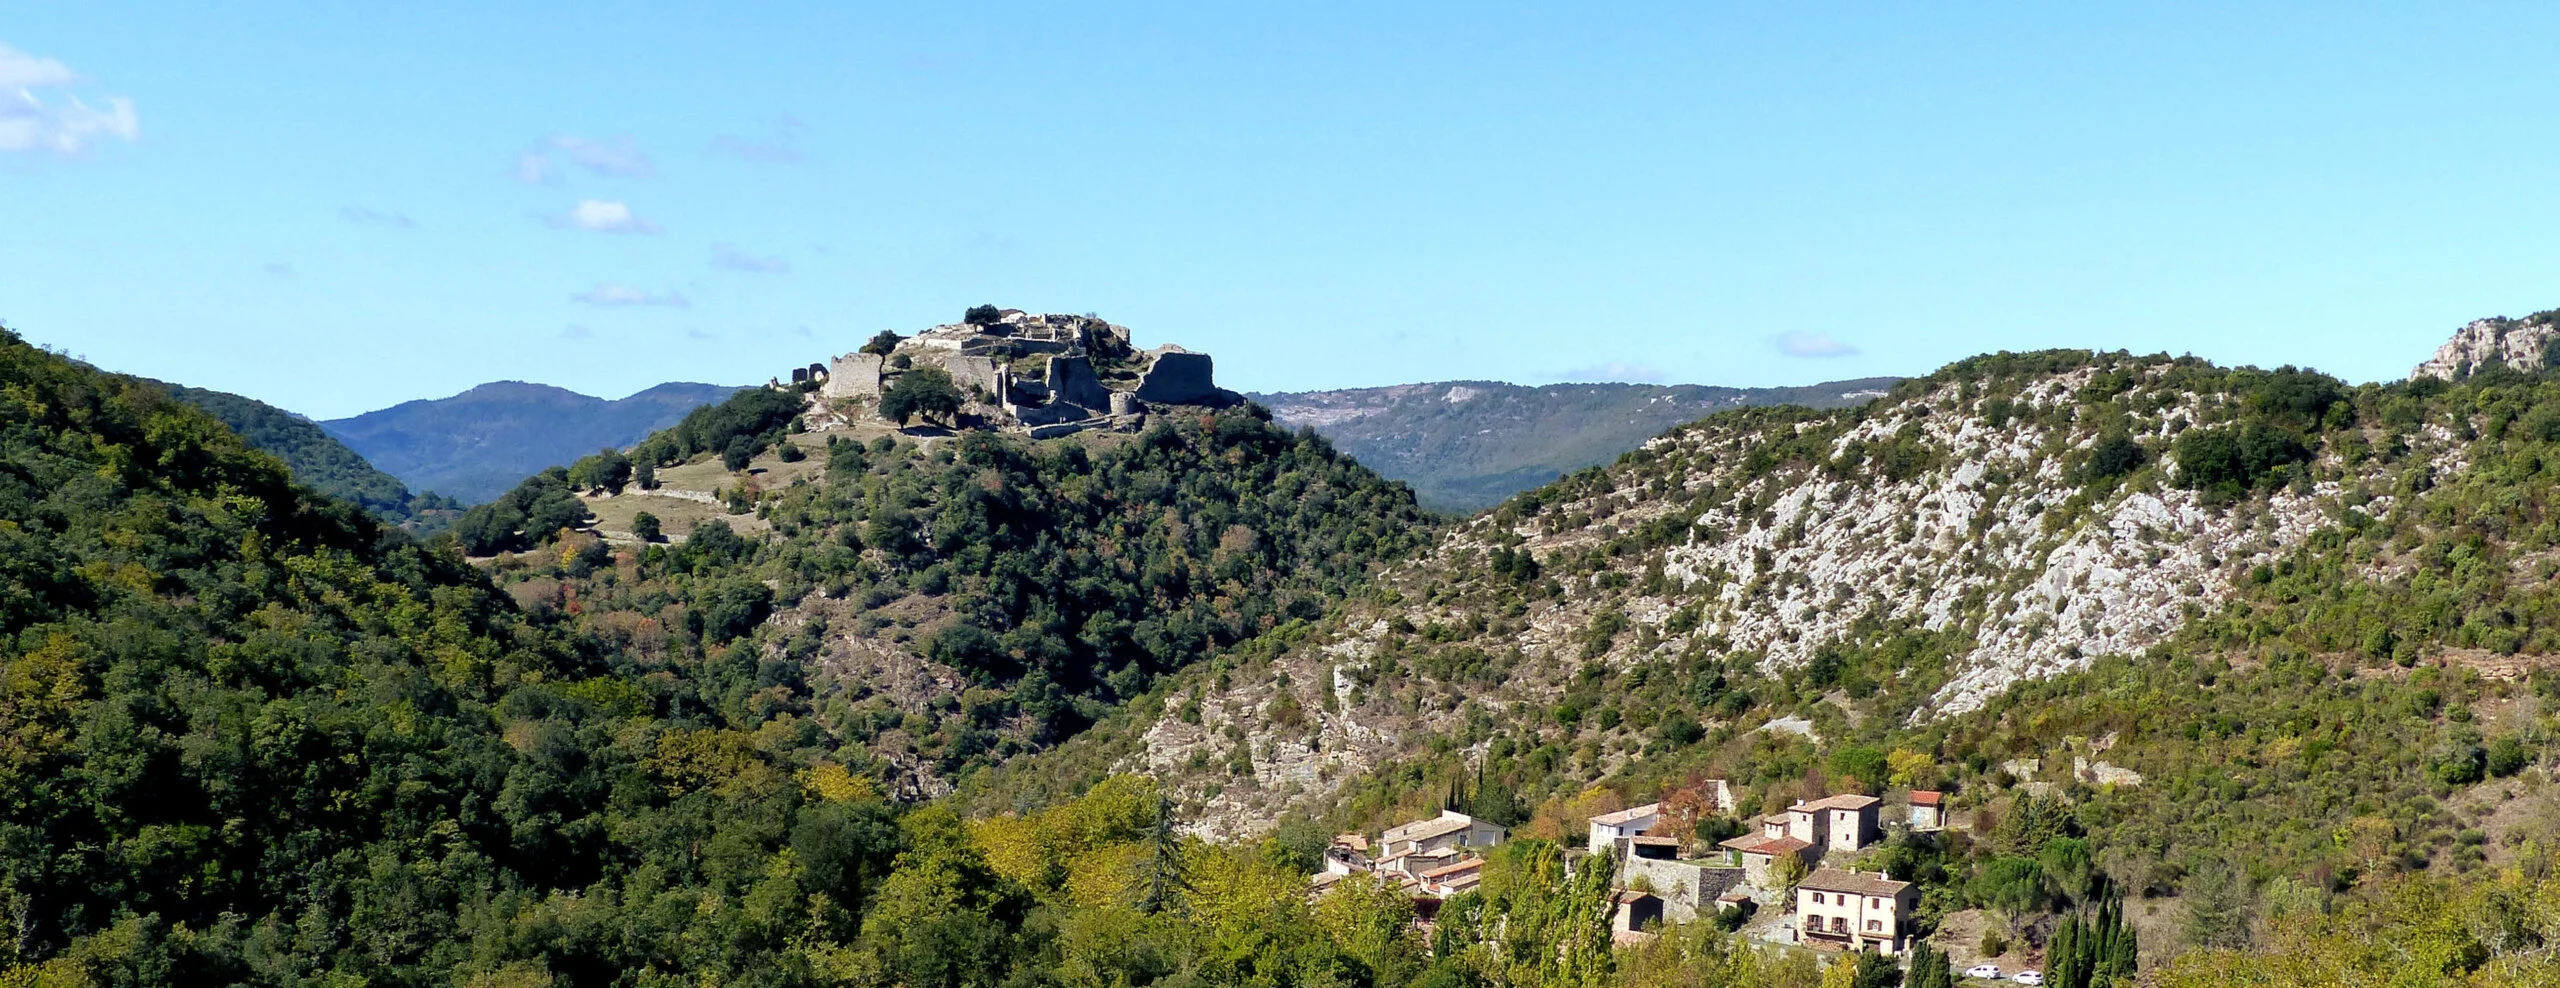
(1071, 380)
(855, 375)
(1178, 377)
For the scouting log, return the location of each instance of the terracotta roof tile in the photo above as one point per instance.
(1852, 882)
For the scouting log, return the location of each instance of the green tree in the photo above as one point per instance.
(608, 469)
(645, 525)
(1929, 967)
(740, 451)
(981, 315)
(882, 343)
(924, 391)
(1164, 877)
(2218, 907)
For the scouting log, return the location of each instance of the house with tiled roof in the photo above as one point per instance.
(1928, 810)
(1608, 829)
(1450, 829)
(1452, 879)
(1846, 822)
(1759, 854)
(1855, 910)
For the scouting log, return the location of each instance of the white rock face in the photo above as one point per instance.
(2522, 345)
(1958, 510)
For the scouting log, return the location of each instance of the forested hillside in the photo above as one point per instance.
(316, 459)
(2253, 663)
(250, 735)
(1468, 445)
(476, 444)
(955, 601)
(2253, 642)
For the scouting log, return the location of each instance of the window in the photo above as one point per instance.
(1839, 924)
(1875, 903)
(1817, 898)
(1875, 926)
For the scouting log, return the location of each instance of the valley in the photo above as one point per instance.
(2194, 661)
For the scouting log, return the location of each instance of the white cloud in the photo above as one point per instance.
(66, 126)
(1616, 370)
(609, 293)
(1812, 346)
(606, 216)
(729, 256)
(19, 70)
(363, 216)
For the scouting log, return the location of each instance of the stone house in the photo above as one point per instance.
(1855, 910)
(1632, 911)
(1448, 830)
(1759, 854)
(1347, 855)
(1451, 879)
(1609, 828)
(1928, 810)
(1846, 822)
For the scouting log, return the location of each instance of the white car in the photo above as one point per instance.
(1991, 971)
(2028, 977)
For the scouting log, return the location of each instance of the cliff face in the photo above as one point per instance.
(2017, 515)
(2523, 344)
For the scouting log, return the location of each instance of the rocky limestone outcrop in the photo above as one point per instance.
(2523, 344)
(1957, 507)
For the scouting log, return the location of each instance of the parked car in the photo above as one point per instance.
(1991, 971)
(2028, 977)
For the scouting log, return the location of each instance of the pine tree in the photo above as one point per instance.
(1929, 968)
(1165, 875)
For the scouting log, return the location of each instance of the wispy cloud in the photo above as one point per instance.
(730, 257)
(612, 294)
(19, 70)
(363, 216)
(278, 269)
(781, 147)
(1616, 370)
(577, 332)
(534, 168)
(619, 157)
(698, 333)
(67, 126)
(1811, 346)
(603, 216)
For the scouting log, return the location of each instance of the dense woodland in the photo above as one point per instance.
(249, 733)
(319, 461)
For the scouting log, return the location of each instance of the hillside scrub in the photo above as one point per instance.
(1056, 579)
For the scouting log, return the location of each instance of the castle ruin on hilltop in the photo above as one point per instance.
(1048, 375)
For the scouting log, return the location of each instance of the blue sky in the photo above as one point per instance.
(336, 207)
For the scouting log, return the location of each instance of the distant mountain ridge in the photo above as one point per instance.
(1468, 445)
(475, 445)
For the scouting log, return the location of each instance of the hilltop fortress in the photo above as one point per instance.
(1048, 375)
